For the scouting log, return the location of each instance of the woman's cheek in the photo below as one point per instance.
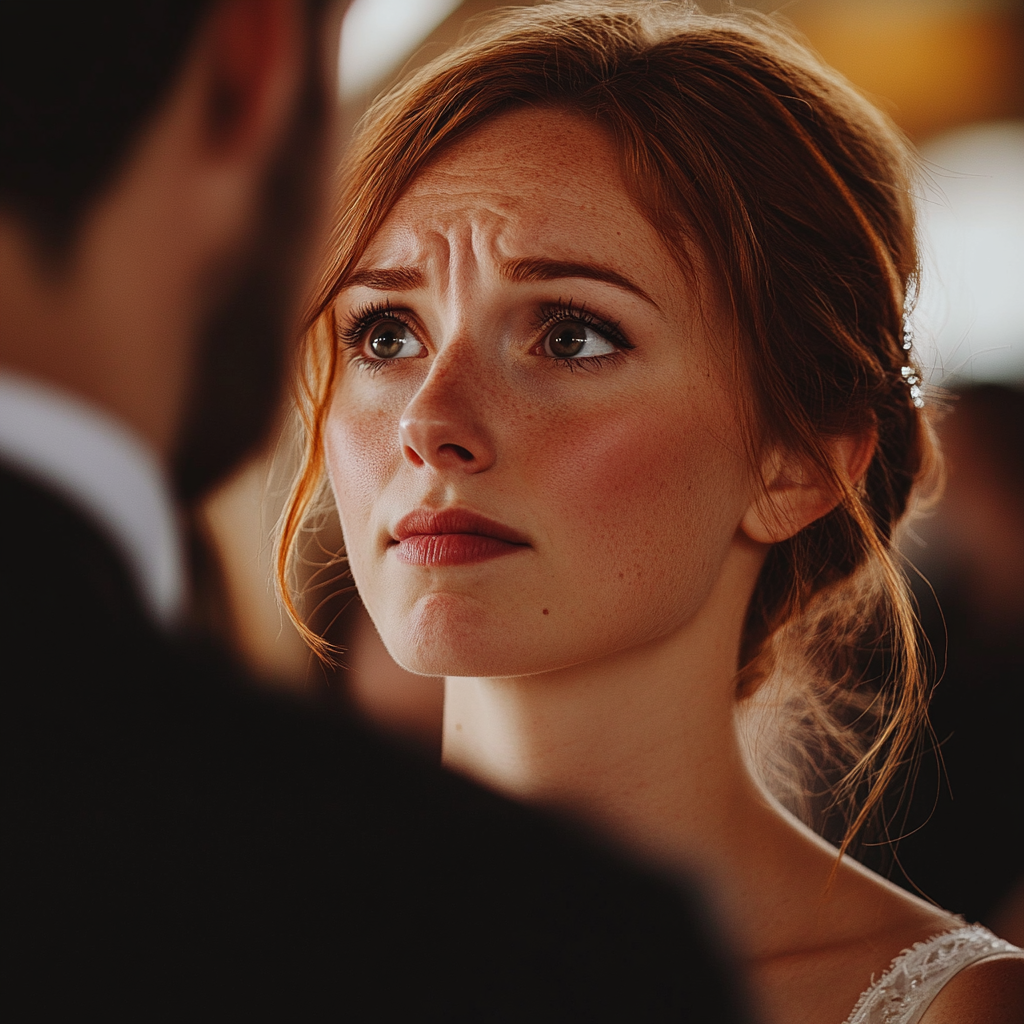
(361, 446)
(631, 471)
(641, 506)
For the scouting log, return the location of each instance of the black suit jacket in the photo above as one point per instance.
(179, 844)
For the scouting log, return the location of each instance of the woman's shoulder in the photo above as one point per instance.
(865, 951)
(990, 992)
(961, 975)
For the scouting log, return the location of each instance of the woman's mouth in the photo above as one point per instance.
(452, 537)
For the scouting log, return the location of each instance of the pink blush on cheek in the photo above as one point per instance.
(639, 460)
(639, 500)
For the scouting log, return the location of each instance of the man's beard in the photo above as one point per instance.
(241, 353)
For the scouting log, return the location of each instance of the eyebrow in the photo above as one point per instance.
(524, 268)
(538, 268)
(387, 279)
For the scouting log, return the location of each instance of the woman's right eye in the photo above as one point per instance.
(391, 339)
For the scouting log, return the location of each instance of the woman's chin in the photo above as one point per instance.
(449, 652)
(455, 656)
(455, 635)
(498, 654)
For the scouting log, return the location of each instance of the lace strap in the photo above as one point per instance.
(904, 992)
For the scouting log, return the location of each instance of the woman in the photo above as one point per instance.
(610, 379)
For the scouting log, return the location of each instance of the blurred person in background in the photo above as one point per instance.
(179, 844)
(611, 382)
(965, 823)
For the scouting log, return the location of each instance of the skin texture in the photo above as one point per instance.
(605, 445)
(591, 667)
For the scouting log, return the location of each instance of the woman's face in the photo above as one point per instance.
(534, 441)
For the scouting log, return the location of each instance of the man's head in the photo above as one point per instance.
(160, 165)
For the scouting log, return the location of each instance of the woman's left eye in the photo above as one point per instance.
(572, 339)
(391, 339)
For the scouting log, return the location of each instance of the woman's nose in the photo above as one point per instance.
(442, 427)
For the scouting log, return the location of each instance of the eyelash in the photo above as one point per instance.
(567, 311)
(351, 333)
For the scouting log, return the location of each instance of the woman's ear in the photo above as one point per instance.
(797, 493)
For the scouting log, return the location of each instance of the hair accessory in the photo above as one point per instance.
(910, 373)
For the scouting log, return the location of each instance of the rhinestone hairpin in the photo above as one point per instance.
(910, 373)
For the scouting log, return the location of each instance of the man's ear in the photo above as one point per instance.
(797, 493)
(212, 146)
(253, 52)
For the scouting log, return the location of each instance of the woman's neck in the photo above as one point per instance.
(641, 741)
(630, 743)
(644, 746)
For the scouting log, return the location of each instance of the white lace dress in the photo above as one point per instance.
(905, 991)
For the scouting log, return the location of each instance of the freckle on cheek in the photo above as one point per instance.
(360, 457)
(545, 611)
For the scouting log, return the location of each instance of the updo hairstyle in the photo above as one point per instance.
(763, 166)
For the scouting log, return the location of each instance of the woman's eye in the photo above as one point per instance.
(572, 339)
(391, 339)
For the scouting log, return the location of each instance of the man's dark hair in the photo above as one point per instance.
(77, 82)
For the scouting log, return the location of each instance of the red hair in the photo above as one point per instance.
(739, 144)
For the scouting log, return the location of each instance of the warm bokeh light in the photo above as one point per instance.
(377, 36)
(970, 315)
(931, 64)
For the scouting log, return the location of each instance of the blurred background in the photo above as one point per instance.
(951, 74)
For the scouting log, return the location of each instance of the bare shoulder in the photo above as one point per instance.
(989, 992)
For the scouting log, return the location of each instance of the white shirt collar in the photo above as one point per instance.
(103, 467)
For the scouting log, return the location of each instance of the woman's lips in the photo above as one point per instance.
(453, 537)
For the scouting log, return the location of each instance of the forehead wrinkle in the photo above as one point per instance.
(496, 220)
(402, 257)
(459, 188)
(473, 243)
(454, 253)
(454, 242)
